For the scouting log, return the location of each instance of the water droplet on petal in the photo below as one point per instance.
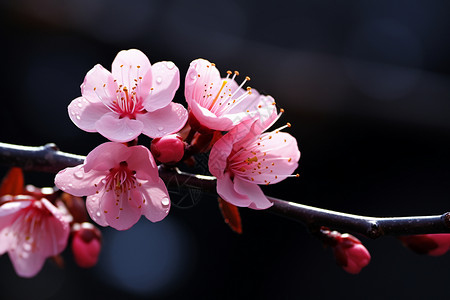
(158, 80)
(79, 174)
(160, 128)
(170, 65)
(78, 117)
(70, 185)
(80, 105)
(98, 214)
(165, 201)
(73, 113)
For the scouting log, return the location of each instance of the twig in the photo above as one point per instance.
(48, 158)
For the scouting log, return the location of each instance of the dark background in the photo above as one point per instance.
(365, 84)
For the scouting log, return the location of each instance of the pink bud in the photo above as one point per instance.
(350, 254)
(86, 244)
(431, 244)
(168, 149)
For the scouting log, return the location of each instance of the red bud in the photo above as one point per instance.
(86, 244)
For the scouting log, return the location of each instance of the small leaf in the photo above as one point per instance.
(230, 215)
(12, 183)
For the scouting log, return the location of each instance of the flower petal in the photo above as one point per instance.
(84, 114)
(121, 214)
(282, 156)
(8, 211)
(254, 193)
(210, 120)
(165, 82)
(141, 160)
(131, 67)
(25, 264)
(118, 130)
(163, 121)
(106, 156)
(158, 201)
(99, 86)
(218, 156)
(54, 232)
(201, 74)
(226, 190)
(94, 210)
(76, 181)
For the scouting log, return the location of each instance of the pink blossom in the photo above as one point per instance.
(350, 254)
(431, 244)
(136, 98)
(244, 158)
(122, 183)
(30, 231)
(220, 103)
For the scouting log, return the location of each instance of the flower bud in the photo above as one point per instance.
(350, 254)
(431, 244)
(168, 149)
(86, 244)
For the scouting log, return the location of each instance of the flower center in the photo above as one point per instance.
(127, 103)
(120, 179)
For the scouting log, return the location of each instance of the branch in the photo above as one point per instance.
(48, 158)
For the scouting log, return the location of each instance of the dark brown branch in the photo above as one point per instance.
(371, 227)
(49, 159)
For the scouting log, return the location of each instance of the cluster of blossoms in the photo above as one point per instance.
(120, 178)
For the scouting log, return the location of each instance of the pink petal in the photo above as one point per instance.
(280, 161)
(94, 210)
(54, 233)
(218, 156)
(121, 214)
(118, 130)
(158, 201)
(77, 182)
(7, 239)
(195, 85)
(257, 198)
(163, 121)
(226, 190)
(106, 156)
(99, 86)
(142, 161)
(130, 65)
(25, 264)
(9, 210)
(84, 114)
(166, 80)
(210, 120)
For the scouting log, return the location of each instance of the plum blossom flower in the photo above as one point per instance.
(432, 244)
(136, 98)
(220, 103)
(30, 231)
(121, 184)
(244, 158)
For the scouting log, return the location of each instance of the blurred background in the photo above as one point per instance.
(366, 85)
